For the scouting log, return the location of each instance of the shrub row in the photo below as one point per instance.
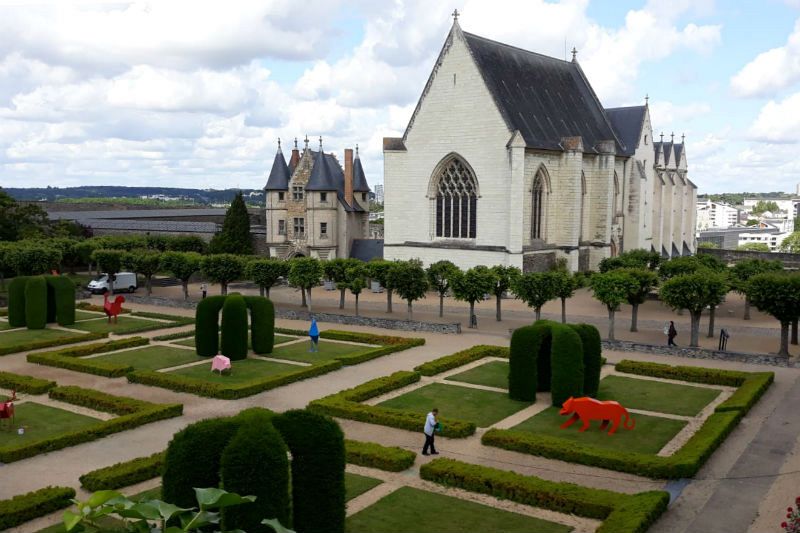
(25, 507)
(27, 384)
(71, 358)
(231, 391)
(746, 396)
(621, 513)
(693, 374)
(124, 474)
(48, 343)
(372, 455)
(100, 347)
(461, 358)
(174, 336)
(133, 413)
(86, 306)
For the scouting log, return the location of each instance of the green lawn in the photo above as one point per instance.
(409, 510)
(649, 435)
(278, 340)
(22, 336)
(243, 371)
(126, 324)
(153, 357)
(356, 485)
(41, 421)
(491, 374)
(327, 350)
(84, 315)
(480, 406)
(4, 325)
(656, 396)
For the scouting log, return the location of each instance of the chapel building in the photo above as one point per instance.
(314, 207)
(510, 158)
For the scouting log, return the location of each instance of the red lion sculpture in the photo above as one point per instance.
(113, 308)
(587, 409)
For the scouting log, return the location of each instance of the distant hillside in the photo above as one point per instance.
(99, 192)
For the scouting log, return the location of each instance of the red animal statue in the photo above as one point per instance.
(7, 408)
(113, 308)
(587, 409)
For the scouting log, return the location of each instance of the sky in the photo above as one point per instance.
(196, 93)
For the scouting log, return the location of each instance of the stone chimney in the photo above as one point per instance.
(348, 176)
(295, 156)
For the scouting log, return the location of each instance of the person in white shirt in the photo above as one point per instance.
(430, 429)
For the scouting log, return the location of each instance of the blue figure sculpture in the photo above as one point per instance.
(313, 333)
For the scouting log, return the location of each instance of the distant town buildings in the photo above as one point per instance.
(716, 215)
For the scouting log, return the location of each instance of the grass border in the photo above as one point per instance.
(49, 343)
(72, 358)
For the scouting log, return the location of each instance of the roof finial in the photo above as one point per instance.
(646, 99)
(356, 151)
(574, 54)
(455, 14)
(683, 137)
(662, 136)
(320, 143)
(279, 144)
(306, 141)
(295, 143)
(672, 137)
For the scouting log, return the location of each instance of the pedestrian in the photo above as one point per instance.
(671, 334)
(204, 290)
(313, 333)
(431, 425)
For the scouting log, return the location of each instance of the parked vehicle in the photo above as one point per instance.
(123, 282)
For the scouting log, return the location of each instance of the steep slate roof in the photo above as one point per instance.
(667, 152)
(279, 175)
(678, 150)
(359, 179)
(627, 123)
(327, 175)
(543, 97)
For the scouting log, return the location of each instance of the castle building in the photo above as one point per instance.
(510, 158)
(314, 207)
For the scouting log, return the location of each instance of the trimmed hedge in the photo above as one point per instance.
(124, 474)
(318, 461)
(693, 374)
(36, 302)
(262, 329)
(86, 306)
(27, 384)
(132, 413)
(592, 357)
(71, 358)
(621, 513)
(234, 328)
(522, 364)
(206, 329)
(49, 343)
(566, 362)
(63, 291)
(748, 393)
(174, 336)
(25, 507)
(373, 455)
(461, 358)
(16, 301)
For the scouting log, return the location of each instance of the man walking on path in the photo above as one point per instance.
(671, 334)
(429, 430)
(204, 290)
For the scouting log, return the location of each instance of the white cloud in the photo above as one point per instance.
(772, 70)
(666, 115)
(778, 122)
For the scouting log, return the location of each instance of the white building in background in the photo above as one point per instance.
(773, 238)
(788, 206)
(716, 215)
(379, 193)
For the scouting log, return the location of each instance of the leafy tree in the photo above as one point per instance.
(305, 273)
(183, 266)
(751, 222)
(186, 243)
(612, 289)
(679, 266)
(222, 269)
(20, 221)
(695, 292)
(708, 245)
(409, 280)
(565, 286)
(471, 286)
(234, 238)
(266, 272)
(535, 289)
(753, 247)
(741, 273)
(439, 275)
(796, 224)
(146, 263)
(646, 281)
(791, 244)
(378, 270)
(777, 294)
(336, 271)
(631, 259)
(5, 262)
(764, 206)
(356, 280)
(110, 262)
(504, 277)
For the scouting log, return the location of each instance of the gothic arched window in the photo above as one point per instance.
(456, 201)
(538, 206)
(617, 199)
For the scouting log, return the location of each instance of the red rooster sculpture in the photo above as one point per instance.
(113, 308)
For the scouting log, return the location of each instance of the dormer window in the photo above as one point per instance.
(297, 192)
(363, 197)
(323, 197)
(281, 196)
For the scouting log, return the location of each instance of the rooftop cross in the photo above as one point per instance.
(279, 144)
(574, 53)
(295, 143)
(306, 141)
(683, 136)
(672, 137)
(646, 99)
(455, 14)
(320, 143)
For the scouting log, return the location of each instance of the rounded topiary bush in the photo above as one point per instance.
(255, 463)
(318, 460)
(16, 301)
(262, 319)
(592, 357)
(567, 364)
(193, 459)
(234, 327)
(206, 327)
(63, 292)
(36, 302)
(544, 337)
(522, 364)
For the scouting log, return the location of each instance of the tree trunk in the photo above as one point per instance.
(611, 314)
(309, 299)
(409, 309)
(441, 305)
(711, 316)
(90, 268)
(356, 304)
(563, 310)
(261, 290)
(794, 331)
(266, 292)
(538, 313)
(695, 333)
(388, 300)
(747, 307)
(471, 313)
(784, 351)
(148, 285)
(341, 298)
(635, 317)
(499, 311)
(185, 284)
(303, 293)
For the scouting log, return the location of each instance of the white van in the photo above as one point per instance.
(123, 281)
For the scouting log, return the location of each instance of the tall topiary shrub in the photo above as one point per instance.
(36, 302)
(206, 334)
(16, 301)
(63, 291)
(543, 331)
(567, 364)
(51, 301)
(262, 323)
(193, 459)
(318, 461)
(234, 327)
(522, 364)
(255, 463)
(592, 357)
